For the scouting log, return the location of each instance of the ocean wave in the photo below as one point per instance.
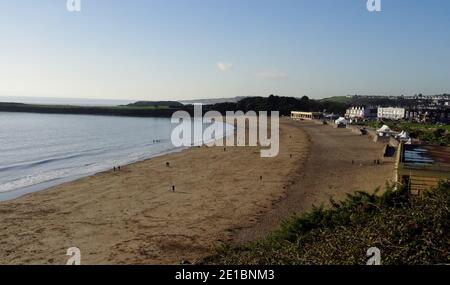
(32, 180)
(30, 164)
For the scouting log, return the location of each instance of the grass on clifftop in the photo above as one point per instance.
(430, 133)
(408, 230)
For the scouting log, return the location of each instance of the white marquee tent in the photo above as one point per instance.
(341, 120)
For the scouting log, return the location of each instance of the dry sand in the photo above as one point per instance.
(132, 217)
(339, 162)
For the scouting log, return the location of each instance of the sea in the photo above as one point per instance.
(38, 151)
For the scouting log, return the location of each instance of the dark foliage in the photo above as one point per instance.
(407, 229)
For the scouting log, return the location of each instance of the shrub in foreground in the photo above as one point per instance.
(407, 229)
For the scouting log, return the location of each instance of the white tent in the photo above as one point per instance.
(384, 129)
(403, 136)
(341, 120)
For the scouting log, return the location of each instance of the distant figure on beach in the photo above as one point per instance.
(167, 164)
(119, 167)
(114, 169)
(173, 188)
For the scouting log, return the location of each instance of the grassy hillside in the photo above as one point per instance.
(407, 230)
(338, 99)
(155, 104)
(134, 111)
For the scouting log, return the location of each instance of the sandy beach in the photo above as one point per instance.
(131, 216)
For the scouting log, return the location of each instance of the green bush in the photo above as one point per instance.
(407, 229)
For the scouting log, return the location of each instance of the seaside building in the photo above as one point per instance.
(391, 113)
(295, 115)
(421, 167)
(357, 113)
(428, 115)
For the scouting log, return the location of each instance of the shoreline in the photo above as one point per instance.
(55, 182)
(36, 188)
(132, 216)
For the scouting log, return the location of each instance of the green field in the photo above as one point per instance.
(133, 111)
(68, 107)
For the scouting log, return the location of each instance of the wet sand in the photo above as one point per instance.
(132, 216)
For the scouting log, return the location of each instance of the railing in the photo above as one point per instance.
(433, 167)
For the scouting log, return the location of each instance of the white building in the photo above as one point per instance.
(306, 115)
(391, 113)
(361, 113)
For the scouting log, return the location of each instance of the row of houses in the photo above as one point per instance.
(443, 99)
(419, 114)
(371, 113)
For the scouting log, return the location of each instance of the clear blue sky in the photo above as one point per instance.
(185, 49)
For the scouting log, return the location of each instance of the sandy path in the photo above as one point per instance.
(328, 172)
(132, 217)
